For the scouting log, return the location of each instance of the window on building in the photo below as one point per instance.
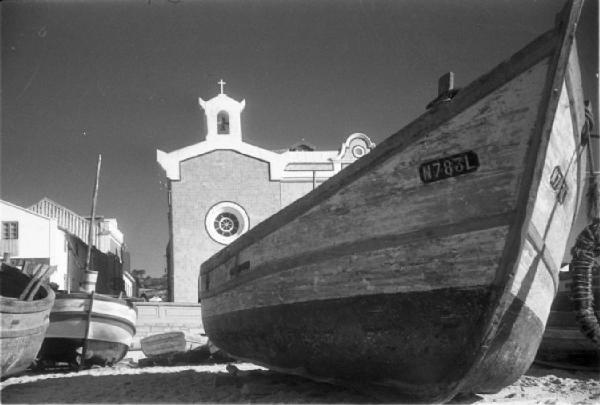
(10, 230)
(226, 221)
(226, 224)
(223, 123)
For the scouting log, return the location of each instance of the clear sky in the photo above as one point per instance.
(122, 78)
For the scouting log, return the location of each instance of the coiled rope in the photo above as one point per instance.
(585, 251)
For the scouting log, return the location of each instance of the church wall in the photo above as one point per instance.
(206, 180)
(291, 191)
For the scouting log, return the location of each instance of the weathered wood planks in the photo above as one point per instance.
(420, 265)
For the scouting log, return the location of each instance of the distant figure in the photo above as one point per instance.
(144, 297)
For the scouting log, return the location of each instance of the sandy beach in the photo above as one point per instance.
(128, 383)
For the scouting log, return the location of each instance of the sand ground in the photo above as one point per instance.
(128, 383)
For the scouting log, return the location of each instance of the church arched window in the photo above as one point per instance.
(223, 122)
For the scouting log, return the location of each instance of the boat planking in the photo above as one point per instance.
(24, 322)
(88, 329)
(429, 265)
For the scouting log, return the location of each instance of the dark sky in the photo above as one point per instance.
(122, 78)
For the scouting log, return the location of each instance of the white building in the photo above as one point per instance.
(27, 235)
(107, 237)
(45, 233)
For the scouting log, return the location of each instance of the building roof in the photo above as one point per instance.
(300, 162)
(278, 162)
(28, 211)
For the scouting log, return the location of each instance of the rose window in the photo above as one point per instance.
(226, 224)
(226, 221)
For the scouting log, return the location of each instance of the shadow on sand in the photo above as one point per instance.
(187, 386)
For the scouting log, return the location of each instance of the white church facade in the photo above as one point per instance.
(222, 186)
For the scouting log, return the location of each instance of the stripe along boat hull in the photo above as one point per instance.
(393, 274)
(105, 332)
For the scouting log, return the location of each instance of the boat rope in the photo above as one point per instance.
(585, 252)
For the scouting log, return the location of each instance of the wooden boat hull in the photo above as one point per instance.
(105, 330)
(392, 274)
(24, 325)
(563, 344)
(163, 343)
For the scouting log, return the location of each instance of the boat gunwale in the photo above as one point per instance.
(11, 305)
(534, 52)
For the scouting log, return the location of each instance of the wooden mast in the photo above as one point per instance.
(93, 215)
(89, 276)
(89, 280)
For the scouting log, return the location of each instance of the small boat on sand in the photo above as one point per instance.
(429, 265)
(163, 343)
(88, 329)
(25, 304)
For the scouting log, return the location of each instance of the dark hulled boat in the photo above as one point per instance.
(429, 265)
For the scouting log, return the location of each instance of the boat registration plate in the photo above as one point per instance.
(451, 166)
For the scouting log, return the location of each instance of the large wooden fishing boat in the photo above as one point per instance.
(25, 304)
(564, 345)
(430, 264)
(87, 329)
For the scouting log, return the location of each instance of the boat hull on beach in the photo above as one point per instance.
(429, 265)
(24, 323)
(87, 329)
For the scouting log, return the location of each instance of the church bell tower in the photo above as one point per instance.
(223, 117)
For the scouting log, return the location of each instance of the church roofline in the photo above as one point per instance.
(171, 161)
(357, 135)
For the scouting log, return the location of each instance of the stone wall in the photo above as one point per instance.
(159, 317)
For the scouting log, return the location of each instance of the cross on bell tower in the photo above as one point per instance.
(223, 117)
